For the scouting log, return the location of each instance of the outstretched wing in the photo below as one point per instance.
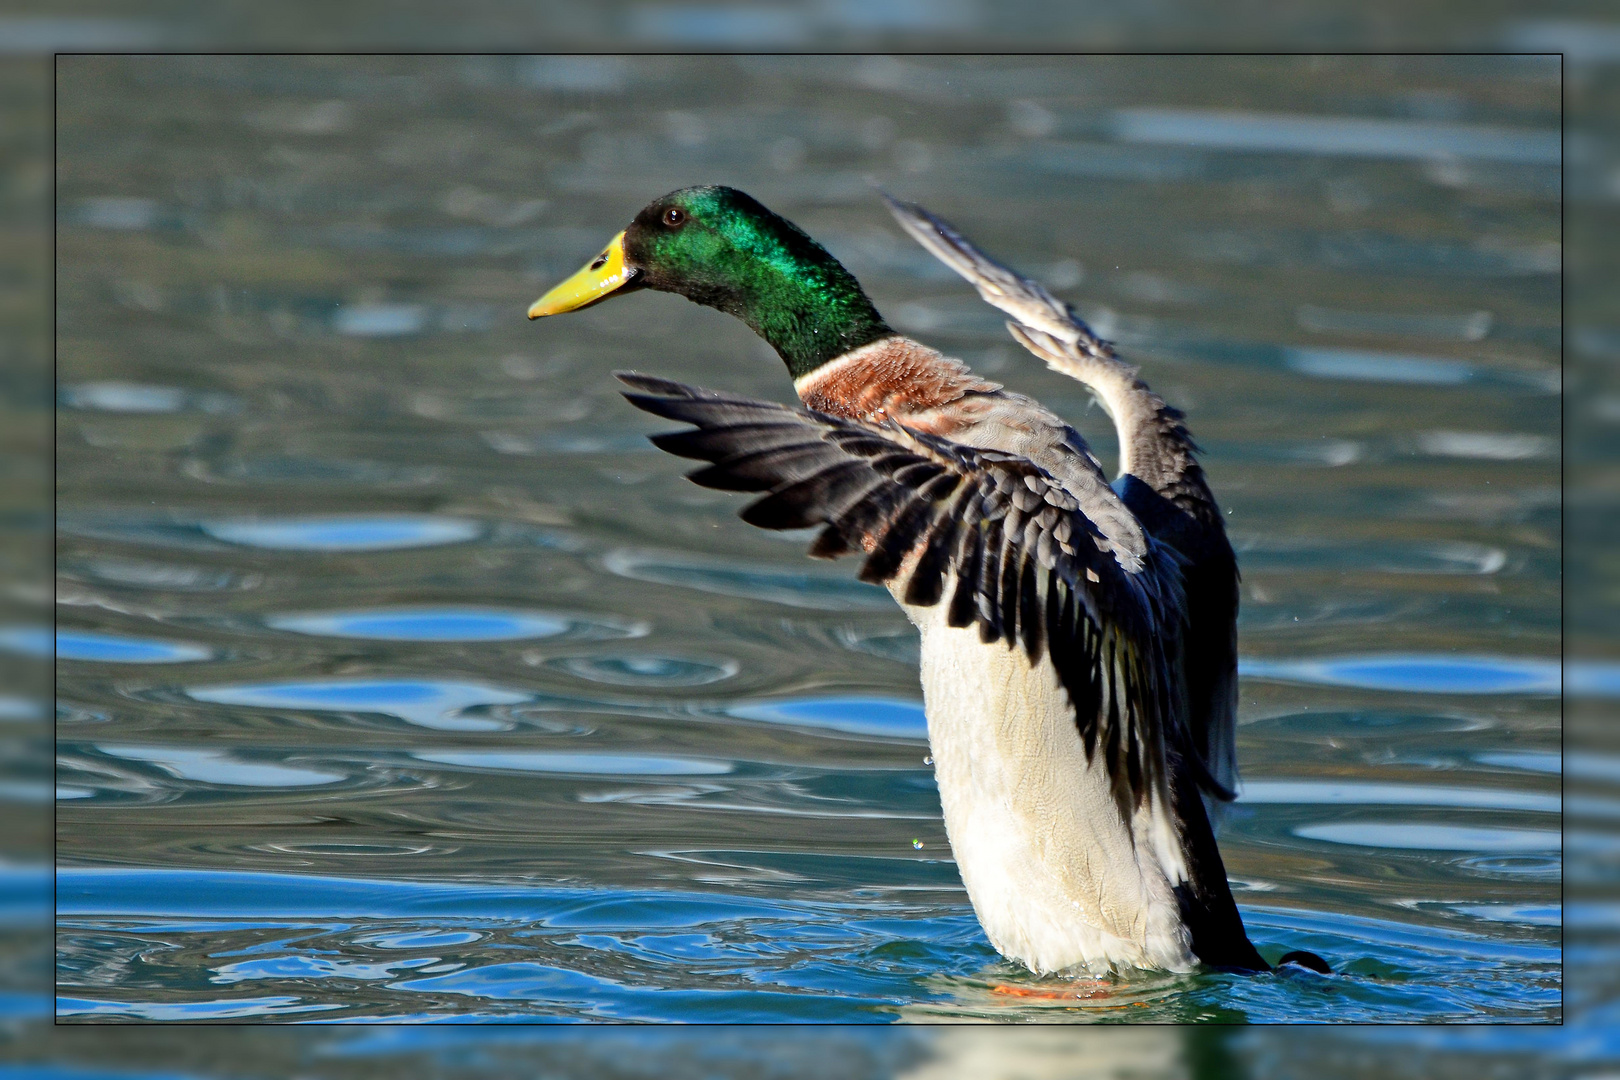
(987, 533)
(1176, 506)
(1026, 301)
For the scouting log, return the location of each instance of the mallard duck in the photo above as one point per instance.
(1078, 639)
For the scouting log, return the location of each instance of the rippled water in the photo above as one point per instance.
(400, 678)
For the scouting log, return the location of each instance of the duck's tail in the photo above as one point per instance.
(1207, 907)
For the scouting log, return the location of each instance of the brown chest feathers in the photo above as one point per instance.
(895, 378)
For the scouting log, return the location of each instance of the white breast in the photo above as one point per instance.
(1050, 868)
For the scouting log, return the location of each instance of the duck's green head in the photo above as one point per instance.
(719, 247)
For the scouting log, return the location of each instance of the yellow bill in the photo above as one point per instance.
(598, 280)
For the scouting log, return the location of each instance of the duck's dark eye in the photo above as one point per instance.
(674, 217)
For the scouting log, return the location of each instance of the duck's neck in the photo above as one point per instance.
(1154, 445)
(810, 315)
(784, 285)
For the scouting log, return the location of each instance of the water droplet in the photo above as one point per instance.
(928, 759)
(917, 844)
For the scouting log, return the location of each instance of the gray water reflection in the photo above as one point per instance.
(122, 397)
(795, 588)
(443, 705)
(647, 670)
(580, 763)
(219, 767)
(1378, 366)
(400, 678)
(1337, 135)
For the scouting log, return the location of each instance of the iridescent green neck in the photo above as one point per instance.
(732, 254)
(810, 311)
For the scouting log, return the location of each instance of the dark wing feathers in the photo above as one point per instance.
(812, 501)
(754, 469)
(699, 444)
(964, 597)
(1015, 549)
(927, 584)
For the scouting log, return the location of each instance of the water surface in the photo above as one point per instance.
(400, 678)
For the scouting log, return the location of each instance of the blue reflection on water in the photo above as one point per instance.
(232, 1009)
(25, 894)
(1590, 766)
(426, 624)
(15, 707)
(592, 764)
(859, 716)
(1546, 761)
(1367, 365)
(34, 641)
(1529, 914)
(419, 939)
(141, 398)
(1416, 673)
(1363, 365)
(313, 967)
(1376, 794)
(518, 979)
(220, 767)
(122, 397)
(1424, 837)
(81, 645)
(121, 212)
(344, 533)
(595, 951)
(234, 893)
(1273, 553)
(426, 703)
(380, 320)
(1592, 678)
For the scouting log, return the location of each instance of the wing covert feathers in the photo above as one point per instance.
(987, 533)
